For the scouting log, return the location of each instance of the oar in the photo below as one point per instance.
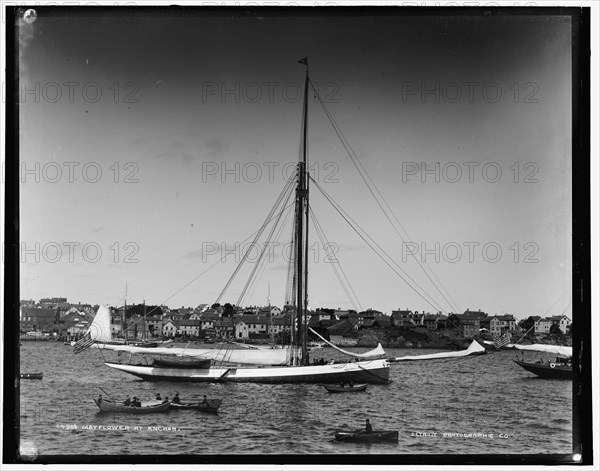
(111, 398)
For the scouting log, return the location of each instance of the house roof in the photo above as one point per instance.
(190, 322)
(505, 317)
(38, 312)
(479, 314)
(254, 319)
(341, 328)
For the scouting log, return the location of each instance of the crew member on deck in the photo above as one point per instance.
(204, 401)
(166, 400)
(368, 427)
(127, 401)
(99, 399)
(176, 399)
(136, 402)
(158, 398)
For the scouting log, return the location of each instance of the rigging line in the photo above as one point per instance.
(261, 262)
(197, 277)
(262, 268)
(347, 218)
(356, 161)
(261, 255)
(282, 197)
(335, 267)
(335, 264)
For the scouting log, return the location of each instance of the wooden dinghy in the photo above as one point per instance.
(108, 406)
(211, 406)
(172, 363)
(32, 375)
(342, 389)
(362, 436)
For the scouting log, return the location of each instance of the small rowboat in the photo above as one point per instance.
(108, 406)
(169, 363)
(32, 375)
(341, 389)
(211, 406)
(362, 436)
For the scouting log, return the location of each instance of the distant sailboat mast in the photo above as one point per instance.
(125, 315)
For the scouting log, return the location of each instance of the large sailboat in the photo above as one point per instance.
(272, 365)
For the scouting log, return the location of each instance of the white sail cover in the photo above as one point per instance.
(376, 352)
(99, 330)
(475, 347)
(274, 357)
(539, 347)
(556, 349)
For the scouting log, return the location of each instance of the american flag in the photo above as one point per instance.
(502, 340)
(83, 344)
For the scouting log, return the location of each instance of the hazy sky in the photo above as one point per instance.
(178, 113)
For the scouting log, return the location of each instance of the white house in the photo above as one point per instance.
(543, 326)
(170, 328)
(241, 330)
(563, 322)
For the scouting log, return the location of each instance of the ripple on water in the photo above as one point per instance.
(487, 394)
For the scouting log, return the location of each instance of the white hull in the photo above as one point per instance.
(374, 371)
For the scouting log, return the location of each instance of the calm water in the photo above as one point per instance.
(481, 395)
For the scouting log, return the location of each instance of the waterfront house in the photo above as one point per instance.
(170, 328)
(543, 325)
(241, 330)
(154, 325)
(38, 318)
(208, 319)
(499, 325)
(434, 321)
(467, 324)
(402, 318)
(189, 327)
(563, 322)
(256, 324)
(224, 328)
(74, 324)
(279, 325)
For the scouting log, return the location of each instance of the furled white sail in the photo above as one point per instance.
(376, 352)
(99, 330)
(273, 357)
(474, 348)
(538, 347)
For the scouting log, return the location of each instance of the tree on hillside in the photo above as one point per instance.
(228, 310)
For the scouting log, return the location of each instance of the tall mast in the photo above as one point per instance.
(301, 229)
